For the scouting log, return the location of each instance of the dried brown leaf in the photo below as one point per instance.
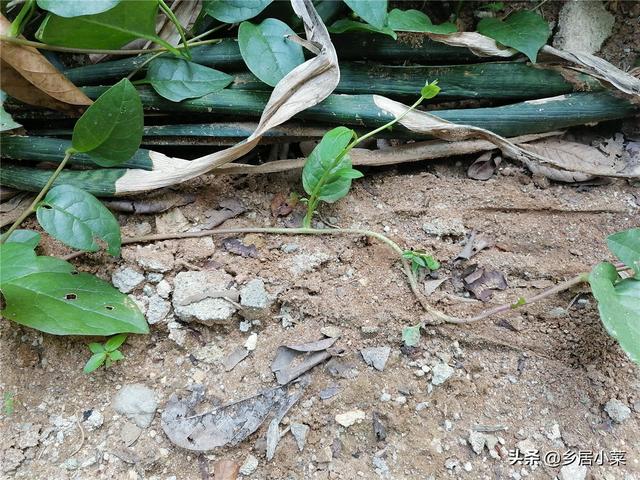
(225, 470)
(484, 167)
(38, 71)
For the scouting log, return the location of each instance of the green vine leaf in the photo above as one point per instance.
(127, 21)
(619, 307)
(327, 174)
(110, 130)
(525, 31)
(76, 8)
(76, 218)
(416, 21)
(176, 79)
(234, 11)
(26, 237)
(374, 12)
(626, 246)
(344, 25)
(69, 303)
(266, 50)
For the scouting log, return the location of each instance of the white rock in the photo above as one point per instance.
(196, 296)
(441, 373)
(137, 402)
(349, 418)
(94, 420)
(157, 309)
(376, 357)
(163, 288)
(300, 432)
(573, 471)
(251, 342)
(249, 466)
(583, 26)
(211, 354)
(617, 410)
(126, 279)
(254, 300)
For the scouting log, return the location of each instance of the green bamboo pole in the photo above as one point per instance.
(226, 56)
(360, 111)
(44, 149)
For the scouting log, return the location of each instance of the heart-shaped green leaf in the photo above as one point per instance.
(77, 218)
(525, 31)
(626, 246)
(344, 25)
(374, 12)
(68, 302)
(110, 130)
(266, 50)
(176, 79)
(234, 11)
(76, 8)
(127, 21)
(27, 237)
(619, 306)
(416, 21)
(325, 172)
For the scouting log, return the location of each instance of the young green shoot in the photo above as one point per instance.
(105, 353)
(420, 260)
(328, 173)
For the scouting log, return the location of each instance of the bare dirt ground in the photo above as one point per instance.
(540, 377)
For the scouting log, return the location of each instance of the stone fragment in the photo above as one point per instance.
(126, 279)
(349, 418)
(617, 411)
(249, 466)
(136, 402)
(376, 357)
(157, 309)
(583, 26)
(300, 432)
(254, 300)
(441, 373)
(197, 296)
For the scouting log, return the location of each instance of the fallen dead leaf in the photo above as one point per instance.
(482, 282)
(237, 247)
(293, 360)
(225, 470)
(228, 425)
(32, 66)
(484, 167)
(473, 245)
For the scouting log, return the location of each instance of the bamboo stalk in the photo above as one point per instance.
(226, 55)
(44, 149)
(483, 81)
(360, 110)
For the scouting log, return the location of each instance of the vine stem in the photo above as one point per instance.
(437, 315)
(31, 208)
(54, 48)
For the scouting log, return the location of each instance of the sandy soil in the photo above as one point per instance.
(542, 375)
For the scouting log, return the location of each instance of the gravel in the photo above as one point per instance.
(441, 373)
(617, 411)
(126, 279)
(190, 300)
(376, 357)
(157, 309)
(254, 300)
(249, 466)
(136, 402)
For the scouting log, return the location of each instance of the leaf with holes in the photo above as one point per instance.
(127, 21)
(343, 25)
(525, 31)
(416, 21)
(110, 131)
(327, 174)
(76, 8)
(374, 12)
(26, 237)
(234, 11)
(626, 246)
(176, 79)
(69, 303)
(619, 306)
(266, 50)
(77, 218)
